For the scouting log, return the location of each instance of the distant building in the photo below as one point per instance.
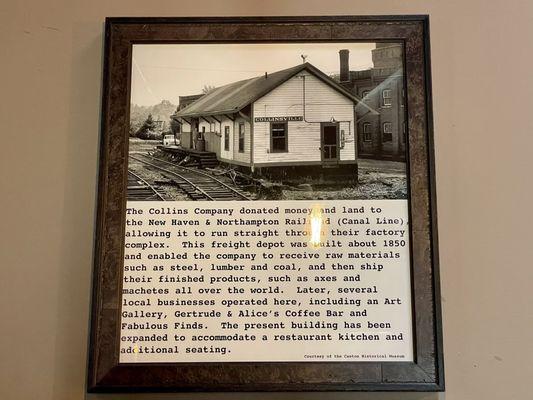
(184, 101)
(297, 117)
(381, 135)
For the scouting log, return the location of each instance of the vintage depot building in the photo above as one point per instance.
(297, 117)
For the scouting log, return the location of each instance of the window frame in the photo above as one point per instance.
(226, 138)
(241, 137)
(286, 136)
(365, 132)
(384, 131)
(386, 101)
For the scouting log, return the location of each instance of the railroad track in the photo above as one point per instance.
(139, 189)
(196, 184)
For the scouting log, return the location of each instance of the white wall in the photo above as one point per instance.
(50, 75)
(322, 103)
(185, 126)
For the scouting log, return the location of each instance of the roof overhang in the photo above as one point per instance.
(207, 113)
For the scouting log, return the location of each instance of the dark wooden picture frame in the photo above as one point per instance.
(105, 373)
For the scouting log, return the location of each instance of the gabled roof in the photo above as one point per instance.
(235, 96)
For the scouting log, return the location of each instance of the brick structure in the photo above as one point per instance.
(381, 136)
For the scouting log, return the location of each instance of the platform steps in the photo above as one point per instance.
(204, 160)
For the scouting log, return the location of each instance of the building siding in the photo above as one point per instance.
(322, 104)
(227, 155)
(185, 135)
(243, 157)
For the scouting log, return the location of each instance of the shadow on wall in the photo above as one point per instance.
(80, 154)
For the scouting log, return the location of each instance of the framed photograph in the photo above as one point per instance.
(266, 210)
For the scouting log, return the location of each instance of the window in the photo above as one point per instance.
(387, 131)
(226, 138)
(278, 137)
(365, 93)
(386, 97)
(367, 132)
(241, 138)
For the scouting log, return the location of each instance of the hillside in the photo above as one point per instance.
(161, 111)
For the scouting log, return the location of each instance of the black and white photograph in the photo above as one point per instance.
(289, 121)
(303, 148)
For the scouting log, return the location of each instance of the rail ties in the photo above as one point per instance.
(196, 184)
(139, 189)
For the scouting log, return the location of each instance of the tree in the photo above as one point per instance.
(175, 127)
(148, 130)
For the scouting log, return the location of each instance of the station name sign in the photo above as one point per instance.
(278, 119)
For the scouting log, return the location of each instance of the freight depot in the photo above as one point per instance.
(241, 244)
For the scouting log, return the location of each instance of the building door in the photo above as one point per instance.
(329, 142)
